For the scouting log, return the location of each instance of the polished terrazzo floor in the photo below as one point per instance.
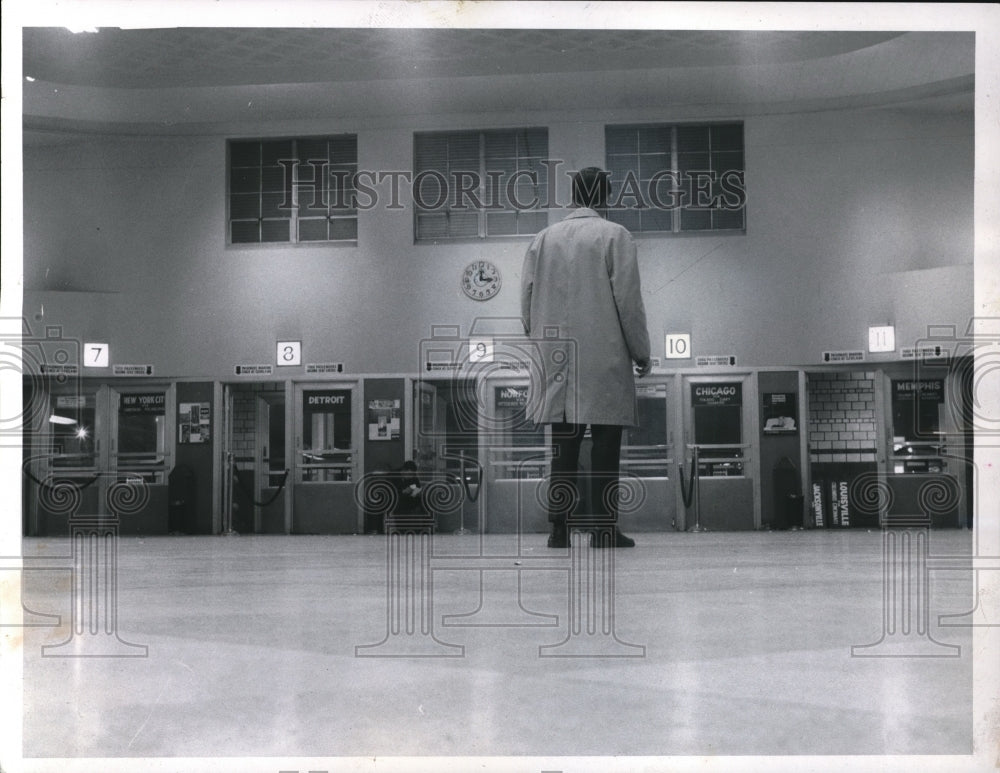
(719, 644)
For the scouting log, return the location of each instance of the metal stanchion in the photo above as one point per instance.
(227, 511)
(461, 530)
(694, 487)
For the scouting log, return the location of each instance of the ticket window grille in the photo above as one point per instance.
(519, 448)
(142, 445)
(718, 429)
(82, 438)
(71, 433)
(327, 452)
(646, 447)
(917, 427)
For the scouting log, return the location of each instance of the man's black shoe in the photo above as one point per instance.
(607, 538)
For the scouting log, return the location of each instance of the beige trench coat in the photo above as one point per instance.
(581, 305)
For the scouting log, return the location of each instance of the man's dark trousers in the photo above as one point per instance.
(565, 487)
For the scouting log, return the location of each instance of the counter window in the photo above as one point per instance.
(326, 436)
(718, 428)
(917, 439)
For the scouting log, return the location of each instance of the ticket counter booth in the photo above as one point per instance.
(648, 477)
(101, 449)
(719, 444)
(448, 448)
(327, 466)
(929, 445)
(518, 458)
(256, 470)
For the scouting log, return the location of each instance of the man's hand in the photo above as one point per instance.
(643, 367)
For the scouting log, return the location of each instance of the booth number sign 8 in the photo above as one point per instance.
(289, 353)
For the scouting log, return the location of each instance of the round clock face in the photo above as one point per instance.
(481, 280)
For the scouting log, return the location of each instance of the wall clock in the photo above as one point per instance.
(481, 280)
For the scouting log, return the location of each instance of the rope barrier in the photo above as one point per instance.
(473, 497)
(49, 487)
(466, 486)
(687, 491)
(248, 495)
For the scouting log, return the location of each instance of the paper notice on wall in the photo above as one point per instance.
(716, 361)
(383, 419)
(851, 356)
(922, 352)
(132, 370)
(779, 412)
(251, 369)
(193, 423)
(60, 370)
(324, 367)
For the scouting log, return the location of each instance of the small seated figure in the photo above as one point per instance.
(410, 489)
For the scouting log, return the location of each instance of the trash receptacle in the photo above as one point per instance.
(793, 511)
(787, 501)
(181, 500)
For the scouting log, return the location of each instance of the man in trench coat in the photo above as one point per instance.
(581, 305)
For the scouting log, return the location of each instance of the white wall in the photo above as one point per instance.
(855, 218)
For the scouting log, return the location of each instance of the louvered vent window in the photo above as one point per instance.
(677, 178)
(480, 184)
(293, 190)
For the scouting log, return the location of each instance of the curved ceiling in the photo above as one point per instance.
(166, 58)
(183, 80)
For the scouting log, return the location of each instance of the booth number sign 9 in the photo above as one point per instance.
(481, 280)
